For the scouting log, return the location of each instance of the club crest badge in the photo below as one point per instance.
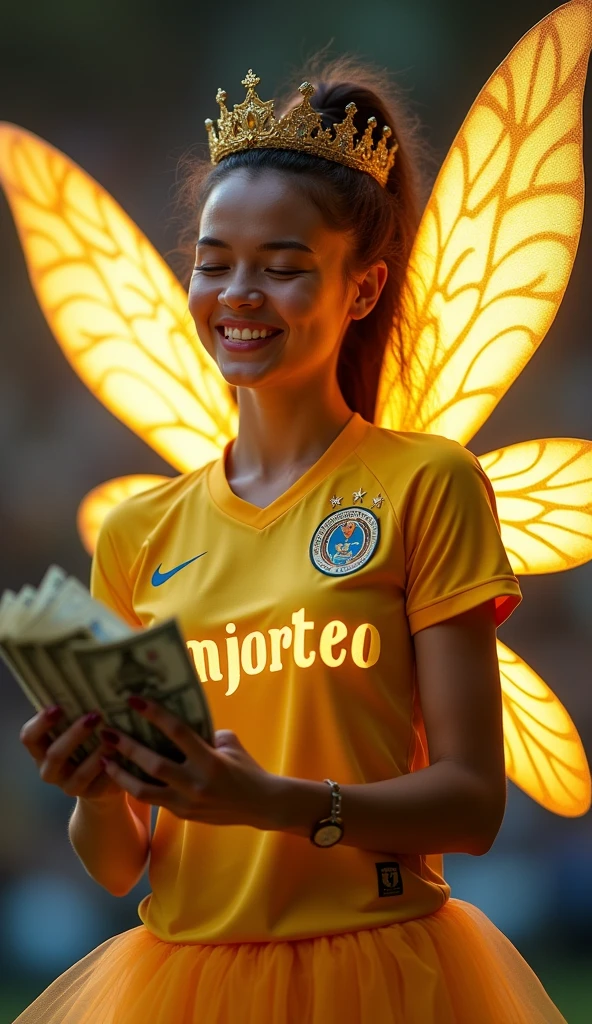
(344, 541)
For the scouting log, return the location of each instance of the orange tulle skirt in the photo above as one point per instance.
(452, 967)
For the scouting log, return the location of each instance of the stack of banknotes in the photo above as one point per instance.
(64, 647)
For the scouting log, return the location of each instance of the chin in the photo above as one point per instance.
(251, 370)
(240, 374)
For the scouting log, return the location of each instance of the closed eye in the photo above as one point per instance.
(271, 270)
(275, 270)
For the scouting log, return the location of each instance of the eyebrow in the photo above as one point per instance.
(287, 243)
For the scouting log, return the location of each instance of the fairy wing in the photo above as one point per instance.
(114, 306)
(543, 493)
(498, 237)
(543, 752)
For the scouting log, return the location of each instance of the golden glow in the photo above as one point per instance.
(333, 633)
(280, 638)
(365, 646)
(488, 270)
(202, 649)
(543, 492)
(102, 499)
(252, 653)
(116, 309)
(544, 754)
(497, 242)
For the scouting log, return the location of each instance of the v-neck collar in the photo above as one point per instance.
(345, 442)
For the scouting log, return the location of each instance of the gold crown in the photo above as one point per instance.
(252, 125)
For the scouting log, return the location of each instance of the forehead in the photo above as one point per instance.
(261, 206)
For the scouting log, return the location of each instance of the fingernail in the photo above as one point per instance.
(109, 736)
(54, 711)
(92, 719)
(137, 703)
(104, 762)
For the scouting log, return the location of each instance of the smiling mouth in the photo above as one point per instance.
(246, 334)
(246, 340)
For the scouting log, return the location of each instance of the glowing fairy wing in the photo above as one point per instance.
(544, 754)
(98, 502)
(498, 238)
(543, 493)
(114, 306)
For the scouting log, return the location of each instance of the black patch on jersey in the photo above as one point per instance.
(389, 878)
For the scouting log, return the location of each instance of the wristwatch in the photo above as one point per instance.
(329, 831)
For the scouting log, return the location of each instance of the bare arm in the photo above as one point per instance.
(456, 805)
(109, 829)
(112, 839)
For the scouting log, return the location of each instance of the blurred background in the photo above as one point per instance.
(123, 87)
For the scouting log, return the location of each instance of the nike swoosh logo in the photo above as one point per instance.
(158, 577)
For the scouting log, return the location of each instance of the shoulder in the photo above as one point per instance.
(134, 518)
(400, 459)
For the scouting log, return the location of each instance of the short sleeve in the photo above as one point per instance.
(455, 558)
(109, 579)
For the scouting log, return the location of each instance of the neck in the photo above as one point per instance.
(287, 427)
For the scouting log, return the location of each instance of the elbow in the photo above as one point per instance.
(120, 893)
(484, 804)
(482, 845)
(123, 890)
(124, 887)
(488, 818)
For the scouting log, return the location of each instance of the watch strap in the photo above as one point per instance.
(335, 800)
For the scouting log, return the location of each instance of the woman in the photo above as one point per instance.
(339, 586)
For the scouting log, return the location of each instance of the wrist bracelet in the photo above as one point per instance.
(335, 799)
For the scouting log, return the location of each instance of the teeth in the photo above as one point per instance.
(245, 335)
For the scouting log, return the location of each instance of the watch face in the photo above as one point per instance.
(328, 835)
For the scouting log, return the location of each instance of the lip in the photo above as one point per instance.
(237, 344)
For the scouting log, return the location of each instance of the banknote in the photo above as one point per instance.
(15, 611)
(47, 591)
(63, 662)
(32, 688)
(6, 601)
(65, 647)
(154, 664)
(58, 687)
(43, 688)
(72, 607)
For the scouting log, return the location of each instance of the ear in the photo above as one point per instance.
(368, 289)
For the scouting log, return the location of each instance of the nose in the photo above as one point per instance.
(239, 293)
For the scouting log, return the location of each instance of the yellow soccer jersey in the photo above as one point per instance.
(300, 617)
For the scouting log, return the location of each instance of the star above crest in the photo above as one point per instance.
(359, 495)
(335, 501)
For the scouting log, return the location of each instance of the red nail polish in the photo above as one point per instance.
(92, 719)
(104, 762)
(137, 703)
(53, 712)
(109, 736)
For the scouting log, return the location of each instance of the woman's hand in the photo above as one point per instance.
(87, 780)
(220, 786)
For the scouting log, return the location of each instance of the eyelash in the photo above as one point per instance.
(282, 273)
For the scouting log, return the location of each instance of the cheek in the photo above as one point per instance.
(201, 301)
(307, 302)
(200, 297)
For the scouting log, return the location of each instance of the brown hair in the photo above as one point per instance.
(383, 220)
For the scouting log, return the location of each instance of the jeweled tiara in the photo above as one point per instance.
(252, 125)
